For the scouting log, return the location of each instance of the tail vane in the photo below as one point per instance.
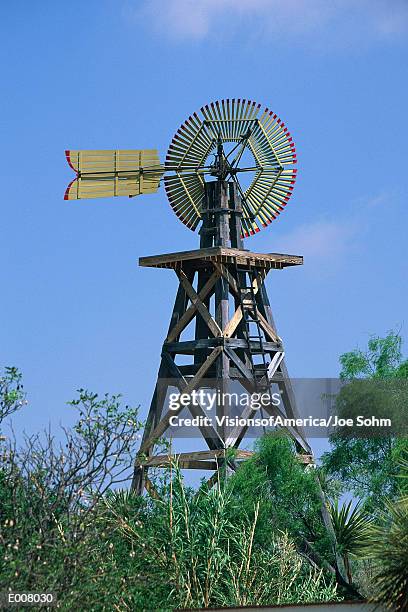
(107, 173)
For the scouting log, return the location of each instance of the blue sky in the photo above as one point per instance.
(76, 310)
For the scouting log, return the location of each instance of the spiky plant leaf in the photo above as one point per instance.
(389, 549)
(352, 528)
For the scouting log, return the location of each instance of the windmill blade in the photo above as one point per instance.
(107, 173)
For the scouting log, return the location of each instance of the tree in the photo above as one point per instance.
(50, 485)
(289, 492)
(382, 358)
(12, 395)
(367, 466)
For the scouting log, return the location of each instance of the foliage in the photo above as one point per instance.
(49, 489)
(388, 547)
(382, 358)
(199, 551)
(12, 396)
(366, 466)
(255, 538)
(352, 528)
(375, 468)
(65, 527)
(288, 492)
(403, 475)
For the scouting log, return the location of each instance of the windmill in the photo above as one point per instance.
(229, 170)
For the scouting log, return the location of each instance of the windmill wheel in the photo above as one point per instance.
(244, 128)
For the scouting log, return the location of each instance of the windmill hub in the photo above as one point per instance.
(221, 167)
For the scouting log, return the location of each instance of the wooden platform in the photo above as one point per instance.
(201, 257)
(205, 459)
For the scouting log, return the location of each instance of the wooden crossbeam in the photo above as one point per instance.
(184, 464)
(194, 455)
(305, 459)
(223, 270)
(189, 347)
(239, 363)
(267, 328)
(191, 310)
(191, 462)
(233, 323)
(237, 317)
(239, 430)
(209, 433)
(199, 304)
(272, 367)
(164, 423)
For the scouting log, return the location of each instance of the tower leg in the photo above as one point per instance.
(159, 395)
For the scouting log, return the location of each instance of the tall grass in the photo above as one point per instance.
(208, 559)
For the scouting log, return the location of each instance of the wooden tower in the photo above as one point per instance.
(241, 344)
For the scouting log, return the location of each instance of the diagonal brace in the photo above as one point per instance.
(164, 423)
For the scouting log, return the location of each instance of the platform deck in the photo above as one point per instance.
(201, 257)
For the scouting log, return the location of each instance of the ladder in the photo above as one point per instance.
(251, 326)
